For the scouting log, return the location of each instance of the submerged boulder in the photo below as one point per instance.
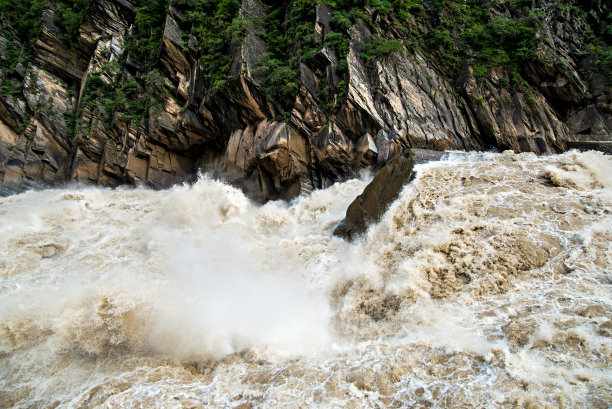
(384, 189)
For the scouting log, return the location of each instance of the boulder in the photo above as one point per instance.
(383, 190)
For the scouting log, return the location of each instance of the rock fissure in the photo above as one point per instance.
(85, 109)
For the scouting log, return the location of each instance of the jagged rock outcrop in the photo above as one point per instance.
(519, 122)
(383, 190)
(274, 152)
(65, 126)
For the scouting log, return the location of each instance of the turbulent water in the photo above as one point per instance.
(487, 284)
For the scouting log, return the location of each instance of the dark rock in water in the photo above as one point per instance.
(384, 189)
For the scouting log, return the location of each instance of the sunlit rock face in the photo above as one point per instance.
(349, 111)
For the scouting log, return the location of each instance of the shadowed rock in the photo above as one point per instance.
(602, 146)
(384, 189)
(348, 112)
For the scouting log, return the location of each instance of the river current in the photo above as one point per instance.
(488, 283)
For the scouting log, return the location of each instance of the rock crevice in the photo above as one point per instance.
(59, 129)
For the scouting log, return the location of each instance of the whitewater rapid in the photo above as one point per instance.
(488, 283)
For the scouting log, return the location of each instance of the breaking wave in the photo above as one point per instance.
(486, 284)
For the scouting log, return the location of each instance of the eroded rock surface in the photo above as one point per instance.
(383, 190)
(55, 132)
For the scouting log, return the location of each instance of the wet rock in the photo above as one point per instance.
(368, 207)
(273, 154)
(602, 146)
(589, 122)
(51, 250)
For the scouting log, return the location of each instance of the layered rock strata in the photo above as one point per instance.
(241, 133)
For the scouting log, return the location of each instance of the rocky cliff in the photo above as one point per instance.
(281, 99)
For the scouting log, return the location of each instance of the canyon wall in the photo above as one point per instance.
(62, 118)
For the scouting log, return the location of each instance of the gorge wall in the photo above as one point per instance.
(283, 98)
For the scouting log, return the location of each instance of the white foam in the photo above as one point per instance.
(483, 281)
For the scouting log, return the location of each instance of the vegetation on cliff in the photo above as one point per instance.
(135, 90)
(216, 26)
(121, 93)
(471, 31)
(475, 32)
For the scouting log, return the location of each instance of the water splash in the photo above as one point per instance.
(486, 284)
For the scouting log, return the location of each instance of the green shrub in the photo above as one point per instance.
(382, 48)
(70, 16)
(145, 42)
(217, 27)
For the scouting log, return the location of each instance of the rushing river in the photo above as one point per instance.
(487, 284)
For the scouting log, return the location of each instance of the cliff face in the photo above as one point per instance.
(91, 109)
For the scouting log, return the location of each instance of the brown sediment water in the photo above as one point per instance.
(488, 283)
